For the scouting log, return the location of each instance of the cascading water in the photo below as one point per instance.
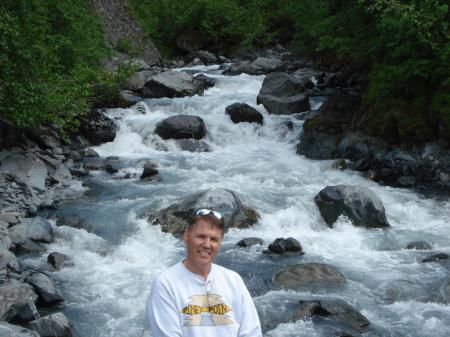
(117, 254)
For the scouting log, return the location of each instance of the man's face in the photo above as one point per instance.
(203, 244)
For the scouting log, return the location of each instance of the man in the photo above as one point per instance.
(196, 298)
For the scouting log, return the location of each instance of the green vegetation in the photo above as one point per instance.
(50, 55)
(403, 44)
(50, 51)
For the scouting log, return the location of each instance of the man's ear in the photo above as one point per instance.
(185, 236)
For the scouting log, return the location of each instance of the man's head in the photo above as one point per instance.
(203, 238)
(214, 217)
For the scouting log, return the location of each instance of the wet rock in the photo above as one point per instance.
(94, 166)
(283, 94)
(16, 297)
(242, 112)
(29, 247)
(150, 172)
(436, 258)
(193, 145)
(283, 246)
(173, 219)
(207, 81)
(247, 242)
(181, 127)
(419, 245)
(172, 84)
(46, 289)
(336, 316)
(307, 274)
(111, 168)
(360, 204)
(55, 325)
(9, 330)
(59, 261)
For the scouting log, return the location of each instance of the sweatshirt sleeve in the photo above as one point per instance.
(250, 325)
(162, 315)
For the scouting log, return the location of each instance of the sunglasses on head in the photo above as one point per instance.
(205, 211)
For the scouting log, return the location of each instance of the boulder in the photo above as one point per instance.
(193, 145)
(181, 127)
(55, 325)
(36, 229)
(10, 219)
(282, 246)
(59, 261)
(237, 68)
(242, 112)
(247, 242)
(359, 204)
(283, 94)
(46, 289)
(205, 56)
(173, 219)
(16, 297)
(265, 65)
(8, 261)
(336, 316)
(172, 84)
(307, 274)
(150, 172)
(97, 128)
(29, 167)
(437, 258)
(419, 245)
(191, 40)
(9, 330)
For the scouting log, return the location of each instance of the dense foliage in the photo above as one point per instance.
(403, 44)
(50, 53)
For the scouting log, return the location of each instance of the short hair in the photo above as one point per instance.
(210, 217)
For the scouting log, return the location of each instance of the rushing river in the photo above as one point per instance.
(117, 254)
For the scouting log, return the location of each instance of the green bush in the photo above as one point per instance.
(50, 54)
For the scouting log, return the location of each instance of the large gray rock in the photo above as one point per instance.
(69, 191)
(28, 166)
(16, 297)
(55, 325)
(174, 218)
(260, 66)
(283, 94)
(360, 204)
(59, 261)
(45, 287)
(36, 229)
(181, 127)
(9, 261)
(336, 316)
(97, 128)
(9, 330)
(307, 274)
(172, 84)
(242, 112)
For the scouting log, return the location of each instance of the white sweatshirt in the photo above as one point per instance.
(182, 303)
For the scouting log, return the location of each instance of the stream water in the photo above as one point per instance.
(117, 254)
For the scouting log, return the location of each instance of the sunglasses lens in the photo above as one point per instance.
(205, 211)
